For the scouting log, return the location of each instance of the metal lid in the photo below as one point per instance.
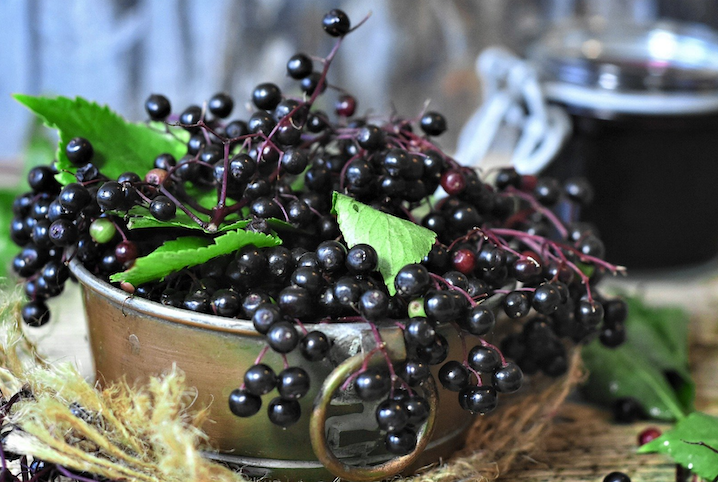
(623, 66)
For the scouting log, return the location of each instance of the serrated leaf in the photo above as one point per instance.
(689, 443)
(119, 146)
(398, 242)
(189, 251)
(656, 346)
(140, 218)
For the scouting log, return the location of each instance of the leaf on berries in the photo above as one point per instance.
(119, 146)
(140, 218)
(692, 442)
(397, 242)
(651, 366)
(189, 251)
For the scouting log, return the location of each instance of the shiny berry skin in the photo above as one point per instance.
(266, 96)
(292, 383)
(284, 413)
(401, 442)
(225, 302)
(374, 305)
(616, 477)
(372, 384)
(433, 124)
(266, 315)
(299, 66)
(126, 251)
(260, 379)
(414, 372)
(42, 179)
(110, 195)
(74, 197)
(391, 415)
(63, 232)
(516, 304)
(481, 400)
(243, 403)
(526, 269)
(418, 331)
(464, 260)
(162, 208)
(453, 376)
(546, 299)
(589, 313)
(434, 353)
(314, 346)
(508, 378)
(453, 182)
(191, 116)
(282, 337)
(362, 259)
(158, 107)
(484, 359)
(294, 161)
(346, 106)
(331, 256)
(370, 137)
(647, 435)
(336, 23)
(236, 128)
(79, 151)
(308, 85)
(480, 321)
(417, 408)
(35, 313)
(220, 105)
(412, 280)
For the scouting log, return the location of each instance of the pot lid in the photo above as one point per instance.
(621, 57)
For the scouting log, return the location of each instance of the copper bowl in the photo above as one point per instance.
(337, 436)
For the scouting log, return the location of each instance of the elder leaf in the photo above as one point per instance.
(397, 242)
(188, 251)
(651, 366)
(119, 146)
(692, 442)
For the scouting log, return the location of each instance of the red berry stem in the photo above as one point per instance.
(541, 209)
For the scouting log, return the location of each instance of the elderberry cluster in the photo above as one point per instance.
(277, 168)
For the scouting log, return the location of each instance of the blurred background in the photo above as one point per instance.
(117, 52)
(408, 53)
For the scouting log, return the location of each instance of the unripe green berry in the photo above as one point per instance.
(102, 230)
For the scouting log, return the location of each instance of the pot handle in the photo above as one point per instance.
(317, 430)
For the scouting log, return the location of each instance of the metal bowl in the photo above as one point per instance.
(336, 436)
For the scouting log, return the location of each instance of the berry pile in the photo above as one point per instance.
(278, 169)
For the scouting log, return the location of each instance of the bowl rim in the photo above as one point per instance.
(208, 321)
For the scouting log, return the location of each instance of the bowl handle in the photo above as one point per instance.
(317, 431)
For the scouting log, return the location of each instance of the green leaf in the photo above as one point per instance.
(692, 442)
(188, 251)
(40, 148)
(119, 146)
(656, 347)
(624, 372)
(398, 242)
(8, 249)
